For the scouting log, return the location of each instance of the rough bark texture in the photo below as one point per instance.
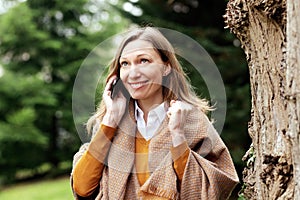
(293, 86)
(268, 32)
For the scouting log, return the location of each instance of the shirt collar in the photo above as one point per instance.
(159, 110)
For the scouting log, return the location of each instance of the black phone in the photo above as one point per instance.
(118, 86)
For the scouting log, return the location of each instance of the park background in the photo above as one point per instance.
(43, 44)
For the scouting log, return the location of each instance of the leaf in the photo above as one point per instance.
(22, 117)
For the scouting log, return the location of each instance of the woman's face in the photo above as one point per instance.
(142, 71)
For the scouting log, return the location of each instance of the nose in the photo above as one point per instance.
(134, 72)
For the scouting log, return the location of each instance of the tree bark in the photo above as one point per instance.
(293, 86)
(268, 32)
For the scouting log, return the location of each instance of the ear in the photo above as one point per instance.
(167, 69)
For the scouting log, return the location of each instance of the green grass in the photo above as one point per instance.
(56, 189)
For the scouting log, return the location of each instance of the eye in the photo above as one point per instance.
(144, 60)
(124, 64)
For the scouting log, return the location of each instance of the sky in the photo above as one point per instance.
(5, 5)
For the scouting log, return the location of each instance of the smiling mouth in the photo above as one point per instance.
(138, 85)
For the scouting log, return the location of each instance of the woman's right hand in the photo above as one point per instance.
(115, 108)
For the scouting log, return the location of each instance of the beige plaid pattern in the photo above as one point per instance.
(209, 172)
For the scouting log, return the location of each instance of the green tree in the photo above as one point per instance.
(42, 45)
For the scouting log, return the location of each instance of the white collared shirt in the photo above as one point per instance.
(155, 117)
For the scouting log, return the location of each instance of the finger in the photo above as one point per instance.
(172, 108)
(188, 107)
(109, 82)
(172, 102)
(169, 114)
(184, 106)
(108, 93)
(120, 95)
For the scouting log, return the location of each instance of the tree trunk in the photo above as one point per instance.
(268, 32)
(293, 86)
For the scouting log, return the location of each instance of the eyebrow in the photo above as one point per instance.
(139, 55)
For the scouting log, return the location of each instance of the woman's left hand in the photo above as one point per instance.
(177, 114)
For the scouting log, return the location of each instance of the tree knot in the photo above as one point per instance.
(273, 9)
(276, 172)
(236, 18)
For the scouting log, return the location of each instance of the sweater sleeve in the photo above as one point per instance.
(180, 156)
(88, 170)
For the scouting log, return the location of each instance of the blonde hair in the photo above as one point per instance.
(176, 85)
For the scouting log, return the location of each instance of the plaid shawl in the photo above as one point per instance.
(209, 172)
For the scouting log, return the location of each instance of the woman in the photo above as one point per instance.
(152, 139)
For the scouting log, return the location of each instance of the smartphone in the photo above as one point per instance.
(118, 86)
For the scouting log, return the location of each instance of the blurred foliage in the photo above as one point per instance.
(42, 45)
(44, 42)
